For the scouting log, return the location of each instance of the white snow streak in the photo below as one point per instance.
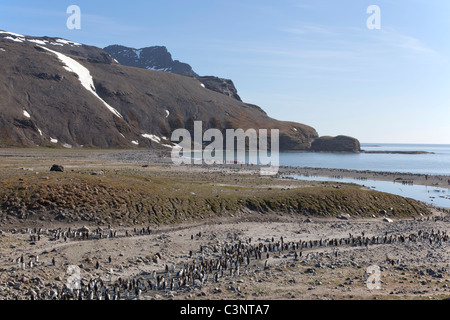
(14, 39)
(26, 114)
(38, 41)
(158, 140)
(13, 34)
(21, 38)
(152, 137)
(52, 140)
(63, 41)
(83, 75)
(138, 53)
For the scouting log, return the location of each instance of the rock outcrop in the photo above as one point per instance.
(153, 58)
(223, 86)
(336, 144)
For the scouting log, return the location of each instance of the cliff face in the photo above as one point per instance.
(336, 144)
(58, 93)
(223, 86)
(159, 59)
(152, 58)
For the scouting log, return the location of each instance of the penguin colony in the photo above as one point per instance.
(230, 260)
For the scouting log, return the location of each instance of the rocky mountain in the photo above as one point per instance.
(59, 93)
(152, 58)
(159, 59)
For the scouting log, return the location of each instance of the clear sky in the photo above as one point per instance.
(310, 61)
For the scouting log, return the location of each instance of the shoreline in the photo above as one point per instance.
(396, 152)
(157, 157)
(417, 179)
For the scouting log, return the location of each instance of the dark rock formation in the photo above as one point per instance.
(57, 168)
(159, 59)
(224, 86)
(336, 144)
(152, 58)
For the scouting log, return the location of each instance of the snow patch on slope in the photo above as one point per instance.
(158, 140)
(21, 38)
(152, 137)
(159, 69)
(26, 114)
(15, 39)
(13, 34)
(38, 41)
(83, 75)
(71, 43)
(138, 53)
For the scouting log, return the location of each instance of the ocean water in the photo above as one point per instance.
(433, 195)
(437, 163)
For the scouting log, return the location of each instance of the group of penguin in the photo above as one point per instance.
(230, 259)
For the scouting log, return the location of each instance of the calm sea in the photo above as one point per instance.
(437, 163)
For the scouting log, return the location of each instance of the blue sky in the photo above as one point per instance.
(310, 61)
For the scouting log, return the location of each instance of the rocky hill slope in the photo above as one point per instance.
(59, 93)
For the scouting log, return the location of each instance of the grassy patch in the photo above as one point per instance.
(128, 196)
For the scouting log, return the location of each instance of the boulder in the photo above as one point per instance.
(345, 216)
(57, 168)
